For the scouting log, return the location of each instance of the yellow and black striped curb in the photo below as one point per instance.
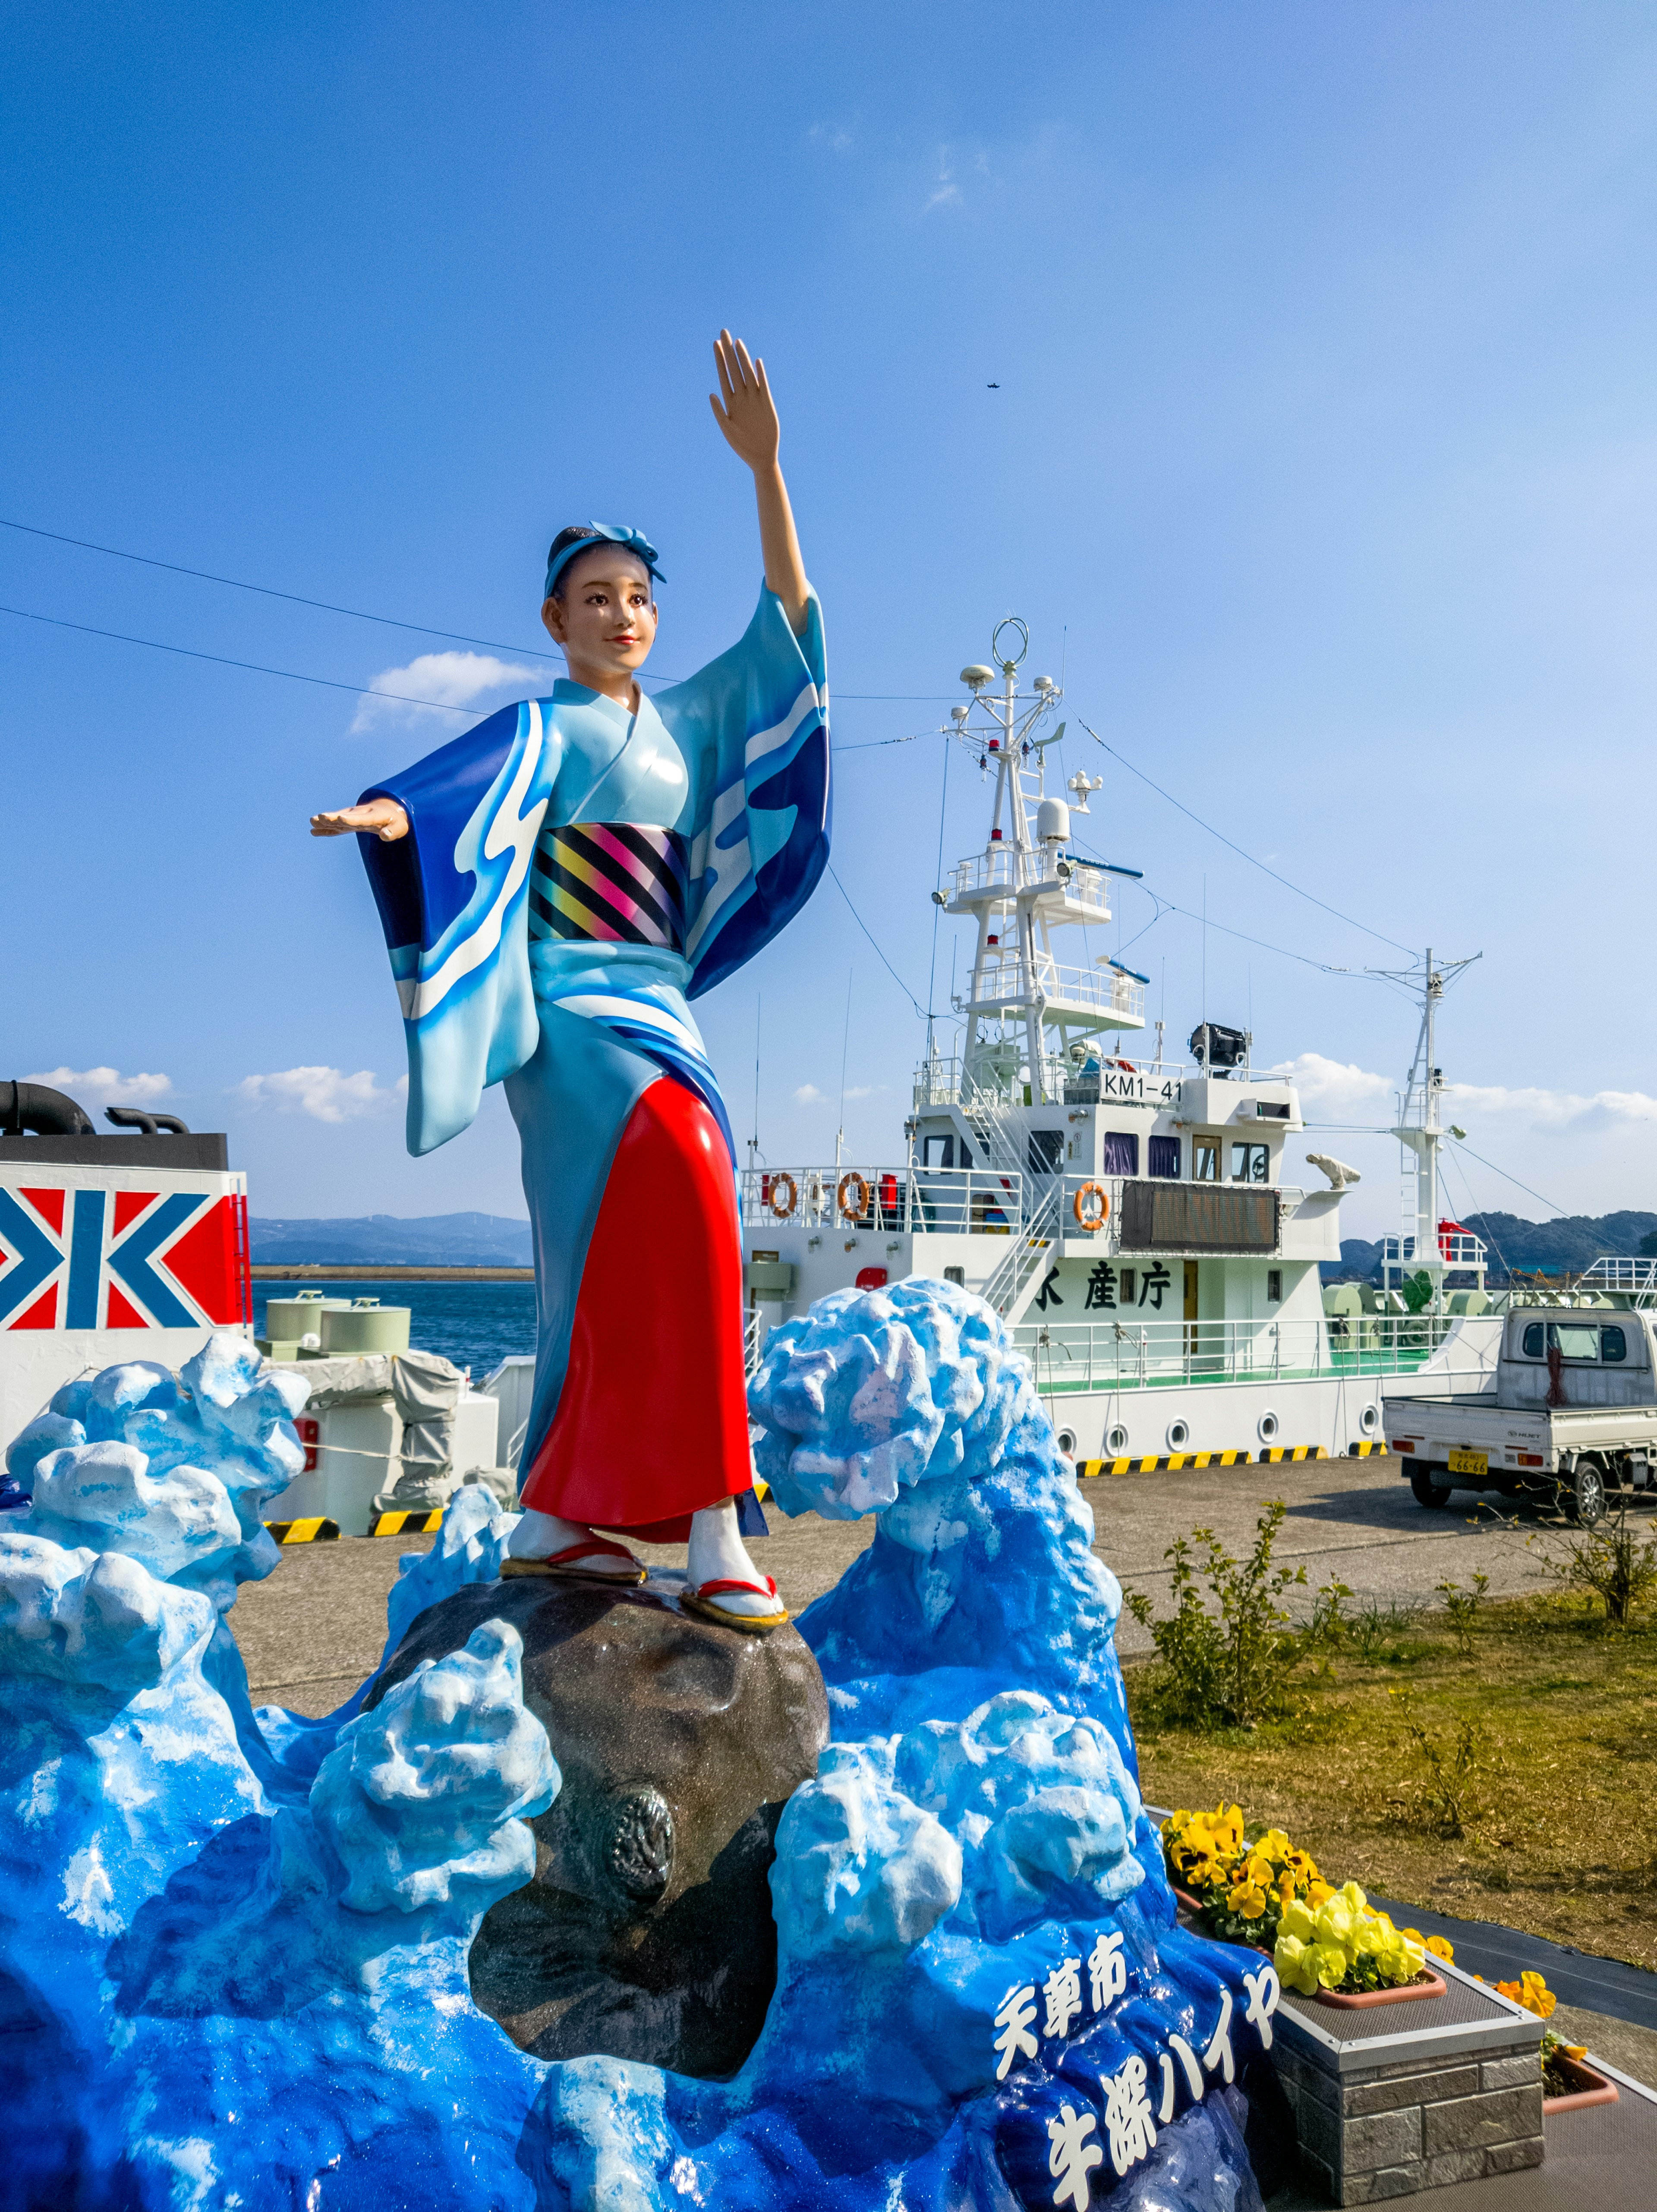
(304, 1532)
(406, 1524)
(1155, 1465)
(1170, 1462)
(1362, 1450)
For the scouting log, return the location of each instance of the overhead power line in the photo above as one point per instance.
(1351, 920)
(876, 942)
(357, 614)
(289, 675)
(222, 660)
(1551, 1203)
(268, 592)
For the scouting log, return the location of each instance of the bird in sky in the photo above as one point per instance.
(992, 387)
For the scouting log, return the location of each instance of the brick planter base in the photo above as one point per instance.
(1383, 2108)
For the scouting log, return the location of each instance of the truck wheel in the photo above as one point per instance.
(1584, 1500)
(1427, 1493)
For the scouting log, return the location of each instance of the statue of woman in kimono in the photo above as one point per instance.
(554, 886)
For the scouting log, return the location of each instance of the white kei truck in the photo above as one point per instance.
(1573, 1415)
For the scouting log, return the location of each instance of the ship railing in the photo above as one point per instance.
(1126, 1351)
(938, 1082)
(930, 1202)
(1006, 978)
(1456, 1249)
(1005, 868)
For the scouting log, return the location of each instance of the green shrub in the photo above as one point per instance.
(1230, 1665)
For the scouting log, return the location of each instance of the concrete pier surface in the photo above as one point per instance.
(313, 1630)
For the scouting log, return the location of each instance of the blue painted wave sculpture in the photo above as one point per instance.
(233, 1943)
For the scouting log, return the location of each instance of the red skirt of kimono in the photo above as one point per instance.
(652, 1423)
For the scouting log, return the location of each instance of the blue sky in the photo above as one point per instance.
(1323, 460)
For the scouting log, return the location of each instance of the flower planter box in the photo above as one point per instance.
(1427, 1984)
(1590, 2087)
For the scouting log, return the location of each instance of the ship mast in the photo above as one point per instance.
(1421, 1134)
(1023, 885)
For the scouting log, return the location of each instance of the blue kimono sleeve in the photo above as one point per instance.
(452, 897)
(753, 726)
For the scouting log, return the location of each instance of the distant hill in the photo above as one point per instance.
(1575, 1241)
(432, 1240)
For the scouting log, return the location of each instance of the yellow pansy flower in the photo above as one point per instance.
(1439, 1946)
(1332, 1963)
(1297, 1969)
(1334, 1921)
(1536, 1996)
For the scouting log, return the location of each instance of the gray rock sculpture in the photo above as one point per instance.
(646, 1932)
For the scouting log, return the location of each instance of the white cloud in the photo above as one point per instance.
(106, 1085)
(865, 1090)
(1338, 1089)
(446, 679)
(830, 135)
(327, 1094)
(1333, 1090)
(1552, 1109)
(809, 1095)
(947, 191)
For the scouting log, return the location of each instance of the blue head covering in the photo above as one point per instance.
(618, 533)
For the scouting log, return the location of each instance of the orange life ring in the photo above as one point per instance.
(777, 1181)
(1089, 1223)
(865, 1195)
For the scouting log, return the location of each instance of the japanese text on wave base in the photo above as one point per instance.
(1130, 2122)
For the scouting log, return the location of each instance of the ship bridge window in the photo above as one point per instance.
(1046, 1151)
(937, 1152)
(1118, 1152)
(1205, 1159)
(1251, 1164)
(1164, 1156)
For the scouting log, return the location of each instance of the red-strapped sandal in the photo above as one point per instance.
(698, 1601)
(564, 1563)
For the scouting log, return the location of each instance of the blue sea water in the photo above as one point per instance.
(477, 1325)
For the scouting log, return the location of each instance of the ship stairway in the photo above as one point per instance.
(996, 1141)
(1017, 1276)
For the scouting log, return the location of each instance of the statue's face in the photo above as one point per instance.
(607, 620)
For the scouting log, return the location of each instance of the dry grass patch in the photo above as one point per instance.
(1502, 1771)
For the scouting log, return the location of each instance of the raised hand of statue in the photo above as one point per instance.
(384, 817)
(747, 415)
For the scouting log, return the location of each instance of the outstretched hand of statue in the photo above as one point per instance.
(383, 816)
(748, 414)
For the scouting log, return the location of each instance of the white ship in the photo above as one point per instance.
(1151, 1233)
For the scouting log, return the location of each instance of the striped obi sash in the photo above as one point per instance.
(615, 882)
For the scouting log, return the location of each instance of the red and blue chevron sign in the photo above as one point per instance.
(79, 1255)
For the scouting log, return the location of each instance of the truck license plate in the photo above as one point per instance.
(1466, 1462)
